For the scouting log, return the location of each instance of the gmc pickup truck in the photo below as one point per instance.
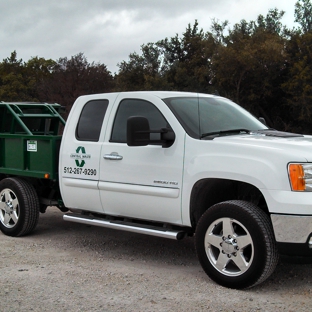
(168, 164)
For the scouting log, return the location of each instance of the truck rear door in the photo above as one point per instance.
(79, 168)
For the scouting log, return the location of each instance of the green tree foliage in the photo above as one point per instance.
(39, 70)
(249, 64)
(303, 14)
(271, 22)
(299, 83)
(60, 81)
(67, 79)
(298, 86)
(15, 84)
(170, 64)
(142, 72)
(187, 60)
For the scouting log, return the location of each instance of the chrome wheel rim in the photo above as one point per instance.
(9, 208)
(229, 247)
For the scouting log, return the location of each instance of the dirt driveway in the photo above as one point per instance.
(65, 266)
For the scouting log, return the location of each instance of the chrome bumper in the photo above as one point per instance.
(292, 229)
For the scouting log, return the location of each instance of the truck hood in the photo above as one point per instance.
(297, 148)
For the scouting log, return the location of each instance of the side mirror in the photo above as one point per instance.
(138, 133)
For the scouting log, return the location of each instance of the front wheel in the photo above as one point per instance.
(235, 244)
(19, 207)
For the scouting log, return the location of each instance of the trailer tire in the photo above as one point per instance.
(235, 244)
(19, 207)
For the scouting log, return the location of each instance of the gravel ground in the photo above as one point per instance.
(65, 266)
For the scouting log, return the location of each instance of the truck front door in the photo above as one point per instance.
(142, 182)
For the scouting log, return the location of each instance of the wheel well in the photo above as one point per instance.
(208, 192)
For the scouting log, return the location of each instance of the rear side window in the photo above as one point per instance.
(91, 120)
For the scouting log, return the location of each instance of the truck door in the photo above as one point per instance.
(142, 182)
(80, 153)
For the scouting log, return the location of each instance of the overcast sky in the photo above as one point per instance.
(107, 31)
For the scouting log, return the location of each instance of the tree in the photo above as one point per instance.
(141, 72)
(20, 81)
(14, 82)
(171, 64)
(38, 70)
(67, 79)
(271, 22)
(249, 65)
(303, 14)
(299, 84)
(187, 60)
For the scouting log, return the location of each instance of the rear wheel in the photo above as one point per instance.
(235, 244)
(19, 207)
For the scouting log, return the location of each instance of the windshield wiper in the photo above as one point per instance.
(218, 133)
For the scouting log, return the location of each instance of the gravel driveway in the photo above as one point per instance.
(65, 266)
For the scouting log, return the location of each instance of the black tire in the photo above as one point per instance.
(235, 244)
(19, 207)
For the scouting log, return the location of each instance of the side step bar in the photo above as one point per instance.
(126, 226)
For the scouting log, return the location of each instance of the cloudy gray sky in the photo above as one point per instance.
(107, 31)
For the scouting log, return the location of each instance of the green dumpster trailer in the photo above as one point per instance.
(29, 148)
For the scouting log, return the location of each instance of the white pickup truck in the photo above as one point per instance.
(168, 164)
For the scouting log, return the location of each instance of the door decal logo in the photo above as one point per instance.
(80, 156)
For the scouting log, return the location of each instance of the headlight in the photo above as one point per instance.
(300, 177)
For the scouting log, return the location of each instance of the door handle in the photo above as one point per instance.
(113, 156)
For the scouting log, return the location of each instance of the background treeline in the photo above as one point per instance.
(261, 65)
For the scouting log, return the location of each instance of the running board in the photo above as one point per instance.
(126, 226)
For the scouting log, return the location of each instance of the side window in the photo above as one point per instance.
(133, 107)
(90, 121)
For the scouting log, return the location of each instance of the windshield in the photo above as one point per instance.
(201, 116)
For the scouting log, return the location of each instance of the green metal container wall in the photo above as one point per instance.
(30, 139)
(13, 153)
(16, 159)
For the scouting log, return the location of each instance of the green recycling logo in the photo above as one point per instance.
(83, 151)
(80, 156)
